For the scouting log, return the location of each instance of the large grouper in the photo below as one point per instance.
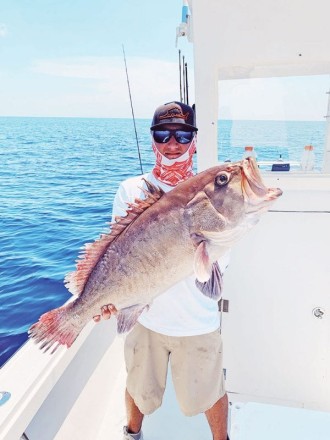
(163, 239)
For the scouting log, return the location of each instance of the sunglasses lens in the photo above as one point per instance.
(184, 137)
(163, 136)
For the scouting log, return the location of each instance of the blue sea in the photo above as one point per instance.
(58, 177)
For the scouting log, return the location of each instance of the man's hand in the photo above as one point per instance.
(106, 312)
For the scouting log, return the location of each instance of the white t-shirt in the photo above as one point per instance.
(182, 310)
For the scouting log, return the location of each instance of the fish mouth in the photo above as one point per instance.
(255, 192)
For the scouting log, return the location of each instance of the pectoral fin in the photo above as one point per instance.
(127, 317)
(202, 263)
(213, 287)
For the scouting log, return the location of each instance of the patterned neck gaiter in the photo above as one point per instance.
(174, 171)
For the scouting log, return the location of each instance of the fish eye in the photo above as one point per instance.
(222, 179)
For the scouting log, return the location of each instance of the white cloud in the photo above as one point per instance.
(101, 84)
(3, 30)
(84, 67)
(97, 87)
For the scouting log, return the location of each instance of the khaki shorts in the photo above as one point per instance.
(196, 364)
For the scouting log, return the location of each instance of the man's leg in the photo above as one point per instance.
(134, 415)
(217, 418)
(146, 359)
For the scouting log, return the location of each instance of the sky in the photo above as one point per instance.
(65, 58)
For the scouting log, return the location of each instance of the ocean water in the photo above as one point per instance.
(58, 177)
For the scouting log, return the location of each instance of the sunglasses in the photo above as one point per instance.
(163, 136)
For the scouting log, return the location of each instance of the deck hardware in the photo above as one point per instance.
(4, 397)
(318, 312)
(223, 305)
(280, 167)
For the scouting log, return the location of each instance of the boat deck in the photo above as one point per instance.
(98, 412)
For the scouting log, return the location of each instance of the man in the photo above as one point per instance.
(182, 325)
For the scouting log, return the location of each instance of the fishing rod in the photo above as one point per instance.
(130, 98)
(183, 71)
(186, 77)
(184, 80)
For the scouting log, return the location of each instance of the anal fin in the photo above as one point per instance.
(127, 317)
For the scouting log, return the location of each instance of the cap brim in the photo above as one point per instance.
(172, 121)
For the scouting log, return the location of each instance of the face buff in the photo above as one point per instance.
(174, 171)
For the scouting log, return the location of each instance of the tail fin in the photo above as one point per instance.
(59, 326)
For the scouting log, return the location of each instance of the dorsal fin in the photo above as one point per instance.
(92, 252)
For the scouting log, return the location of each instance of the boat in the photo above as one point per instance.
(275, 313)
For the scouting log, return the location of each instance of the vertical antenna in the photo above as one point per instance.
(130, 98)
(184, 81)
(180, 75)
(186, 75)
